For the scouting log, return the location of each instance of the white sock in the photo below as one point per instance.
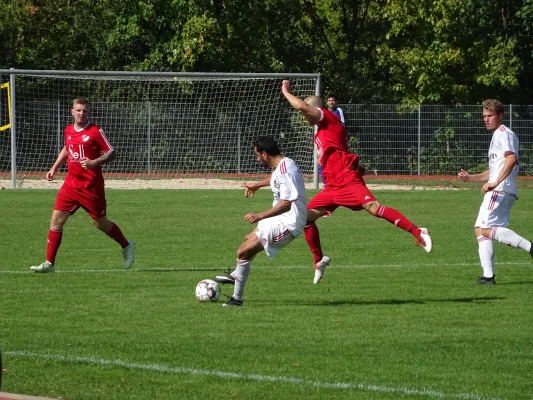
(486, 255)
(508, 237)
(241, 276)
(234, 272)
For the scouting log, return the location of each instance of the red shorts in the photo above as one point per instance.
(351, 196)
(91, 200)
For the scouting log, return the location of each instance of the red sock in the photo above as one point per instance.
(54, 241)
(116, 234)
(398, 219)
(312, 237)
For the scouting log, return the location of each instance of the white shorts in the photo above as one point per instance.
(495, 210)
(273, 235)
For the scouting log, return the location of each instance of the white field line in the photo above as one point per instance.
(169, 269)
(249, 377)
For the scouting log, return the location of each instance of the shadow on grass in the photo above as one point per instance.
(180, 269)
(389, 302)
(515, 283)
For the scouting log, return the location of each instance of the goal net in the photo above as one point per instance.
(163, 126)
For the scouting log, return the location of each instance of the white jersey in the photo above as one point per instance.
(287, 183)
(503, 140)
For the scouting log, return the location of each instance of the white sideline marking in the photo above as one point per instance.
(253, 377)
(215, 269)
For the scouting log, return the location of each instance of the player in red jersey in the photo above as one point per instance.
(343, 177)
(86, 149)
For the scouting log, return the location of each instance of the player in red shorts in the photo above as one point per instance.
(344, 183)
(86, 149)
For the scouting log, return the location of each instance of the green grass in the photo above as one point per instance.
(388, 321)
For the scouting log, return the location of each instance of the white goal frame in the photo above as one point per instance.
(267, 113)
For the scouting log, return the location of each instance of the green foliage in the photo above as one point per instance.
(440, 51)
(396, 51)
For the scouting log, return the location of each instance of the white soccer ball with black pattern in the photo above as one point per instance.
(207, 290)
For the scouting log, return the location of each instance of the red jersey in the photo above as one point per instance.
(338, 164)
(89, 142)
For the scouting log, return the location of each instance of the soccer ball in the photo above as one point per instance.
(207, 290)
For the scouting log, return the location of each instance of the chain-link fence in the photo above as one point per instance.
(431, 139)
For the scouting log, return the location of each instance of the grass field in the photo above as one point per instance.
(388, 321)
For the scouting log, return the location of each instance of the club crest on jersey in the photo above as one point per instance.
(85, 138)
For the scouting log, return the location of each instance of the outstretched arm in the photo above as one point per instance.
(251, 188)
(312, 114)
(464, 176)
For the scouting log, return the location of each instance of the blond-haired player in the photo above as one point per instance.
(500, 191)
(86, 149)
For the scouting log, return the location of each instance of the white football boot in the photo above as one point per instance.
(44, 267)
(320, 267)
(424, 240)
(128, 253)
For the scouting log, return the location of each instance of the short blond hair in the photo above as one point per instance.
(80, 100)
(493, 105)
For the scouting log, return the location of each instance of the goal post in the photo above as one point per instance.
(162, 125)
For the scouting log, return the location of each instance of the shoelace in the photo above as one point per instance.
(420, 241)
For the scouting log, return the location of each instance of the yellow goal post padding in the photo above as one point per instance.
(8, 125)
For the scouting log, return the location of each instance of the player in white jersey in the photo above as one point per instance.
(276, 227)
(499, 189)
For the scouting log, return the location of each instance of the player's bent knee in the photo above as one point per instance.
(59, 218)
(483, 232)
(245, 253)
(314, 213)
(372, 207)
(486, 232)
(249, 248)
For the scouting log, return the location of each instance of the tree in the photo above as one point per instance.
(13, 18)
(451, 51)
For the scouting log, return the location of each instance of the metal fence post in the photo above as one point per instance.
(239, 134)
(149, 138)
(511, 116)
(419, 137)
(58, 126)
